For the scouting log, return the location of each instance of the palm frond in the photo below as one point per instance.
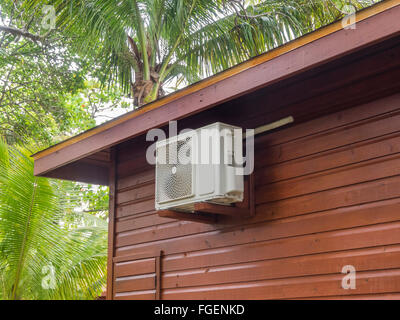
(33, 237)
(206, 36)
(268, 24)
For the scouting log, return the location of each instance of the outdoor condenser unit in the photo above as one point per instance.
(199, 166)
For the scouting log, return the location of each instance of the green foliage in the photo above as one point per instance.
(34, 77)
(92, 199)
(145, 44)
(247, 30)
(48, 250)
(47, 90)
(88, 106)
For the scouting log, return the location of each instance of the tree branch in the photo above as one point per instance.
(22, 33)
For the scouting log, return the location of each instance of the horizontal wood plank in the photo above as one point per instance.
(132, 268)
(136, 295)
(332, 263)
(251, 234)
(135, 283)
(382, 281)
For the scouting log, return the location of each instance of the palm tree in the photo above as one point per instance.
(47, 249)
(144, 44)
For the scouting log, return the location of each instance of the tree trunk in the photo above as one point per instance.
(146, 91)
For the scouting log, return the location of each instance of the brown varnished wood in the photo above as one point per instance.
(327, 194)
(188, 216)
(369, 170)
(262, 231)
(321, 82)
(111, 224)
(139, 282)
(84, 171)
(142, 206)
(307, 245)
(158, 272)
(228, 210)
(382, 281)
(136, 295)
(324, 263)
(381, 189)
(265, 221)
(137, 179)
(140, 191)
(133, 268)
(131, 223)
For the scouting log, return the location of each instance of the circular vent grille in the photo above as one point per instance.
(174, 171)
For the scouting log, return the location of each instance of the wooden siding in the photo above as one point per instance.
(327, 195)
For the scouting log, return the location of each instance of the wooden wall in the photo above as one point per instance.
(327, 195)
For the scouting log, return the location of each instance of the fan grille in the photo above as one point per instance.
(174, 172)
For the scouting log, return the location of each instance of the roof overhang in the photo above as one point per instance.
(85, 157)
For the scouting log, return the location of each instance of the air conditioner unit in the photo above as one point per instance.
(199, 166)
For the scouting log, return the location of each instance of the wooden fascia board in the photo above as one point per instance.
(373, 24)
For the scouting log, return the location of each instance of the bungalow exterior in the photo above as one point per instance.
(325, 193)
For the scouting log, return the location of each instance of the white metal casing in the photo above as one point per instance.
(186, 173)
